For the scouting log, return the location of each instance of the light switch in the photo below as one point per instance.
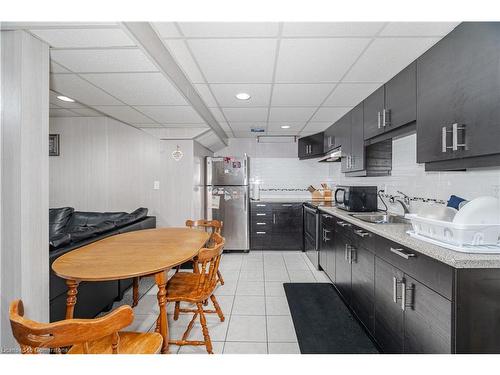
(156, 185)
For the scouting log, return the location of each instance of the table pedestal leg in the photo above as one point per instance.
(162, 322)
(71, 298)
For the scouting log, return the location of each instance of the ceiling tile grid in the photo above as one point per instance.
(304, 75)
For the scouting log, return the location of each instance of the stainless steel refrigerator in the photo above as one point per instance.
(227, 198)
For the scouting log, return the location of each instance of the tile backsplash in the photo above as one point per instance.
(407, 175)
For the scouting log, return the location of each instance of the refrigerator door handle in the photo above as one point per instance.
(245, 200)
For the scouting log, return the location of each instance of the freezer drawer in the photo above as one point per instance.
(229, 204)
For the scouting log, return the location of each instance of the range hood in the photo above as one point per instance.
(332, 156)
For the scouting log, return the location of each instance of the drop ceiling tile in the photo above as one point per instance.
(59, 103)
(330, 114)
(418, 28)
(206, 95)
(245, 114)
(78, 38)
(138, 88)
(154, 125)
(75, 87)
(103, 60)
(56, 68)
(300, 94)
(229, 29)
(317, 126)
(166, 29)
(187, 125)
(40, 25)
(125, 114)
(171, 114)
(282, 132)
(331, 29)
(246, 134)
(181, 54)
(62, 112)
(225, 94)
(350, 94)
(235, 60)
(87, 112)
(294, 114)
(294, 126)
(317, 60)
(225, 126)
(218, 114)
(386, 57)
(246, 126)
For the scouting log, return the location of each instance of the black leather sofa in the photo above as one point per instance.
(70, 229)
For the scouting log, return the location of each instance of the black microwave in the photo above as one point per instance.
(356, 198)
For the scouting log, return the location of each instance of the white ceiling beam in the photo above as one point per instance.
(151, 44)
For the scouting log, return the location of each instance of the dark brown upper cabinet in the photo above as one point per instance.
(458, 96)
(350, 134)
(392, 105)
(311, 146)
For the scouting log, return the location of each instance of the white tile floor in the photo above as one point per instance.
(253, 300)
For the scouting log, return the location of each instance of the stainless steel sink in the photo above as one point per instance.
(381, 218)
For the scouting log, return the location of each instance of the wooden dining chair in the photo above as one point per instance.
(214, 225)
(196, 288)
(83, 336)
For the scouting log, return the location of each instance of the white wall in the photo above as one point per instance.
(24, 255)
(104, 165)
(182, 197)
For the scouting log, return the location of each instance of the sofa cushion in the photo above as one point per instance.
(132, 217)
(58, 240)
(58, 219)
(80, 233)
(81, 218)
(105, 226)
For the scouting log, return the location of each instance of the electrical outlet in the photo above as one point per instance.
(156, 185)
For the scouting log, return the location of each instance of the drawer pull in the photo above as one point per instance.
(361, 233)
(343, 224)
(261, 214)
(402, 253)
(260, 232)
(261, 205)
(261, 223)
(286, 205)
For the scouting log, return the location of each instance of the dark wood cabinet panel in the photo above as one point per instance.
(427, 319)
(344, 139)
(327, 256)
(388, 323)
(330, 141)
(362, 285)
(342, 266)
(401, 98)
(458, 82)
(276, 226)
(311, 146)
(373, 106)
(357, 162)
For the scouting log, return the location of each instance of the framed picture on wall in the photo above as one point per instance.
(53, 144)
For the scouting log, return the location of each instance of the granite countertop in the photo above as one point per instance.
(397, 233)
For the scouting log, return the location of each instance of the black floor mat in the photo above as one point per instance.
(323, 323)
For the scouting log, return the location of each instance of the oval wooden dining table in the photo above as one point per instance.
(146, 252)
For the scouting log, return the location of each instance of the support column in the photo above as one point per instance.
(24, 167)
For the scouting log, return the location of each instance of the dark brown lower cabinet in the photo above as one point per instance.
(388, 326)
(342, 266)
(427, 318)
(362, 285)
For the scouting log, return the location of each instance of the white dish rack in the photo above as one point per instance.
(467, 237)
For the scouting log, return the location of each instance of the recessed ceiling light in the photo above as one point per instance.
(65, 99)
(242, 96)
(285, 126)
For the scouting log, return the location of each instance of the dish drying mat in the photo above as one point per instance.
(477, 249)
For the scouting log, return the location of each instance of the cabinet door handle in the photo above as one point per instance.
(325, 232)
(274, 218)
(346, 257)
(353, 256)
(260, 214)
(395, 289)
(261, 223)
(455, 128)
(361, 233)
(260, 232)
(260, 205)
(383, 118)
(402, 253)
(403, 295)
(287, 205)
(343, 224)
(378, 119)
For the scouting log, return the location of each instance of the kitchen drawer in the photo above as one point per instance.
(261, 206)
(255, 215)
(343, 227)
(261, 222)
(260, 240)
(436, 275)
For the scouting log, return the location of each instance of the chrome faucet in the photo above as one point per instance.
(405, 202)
